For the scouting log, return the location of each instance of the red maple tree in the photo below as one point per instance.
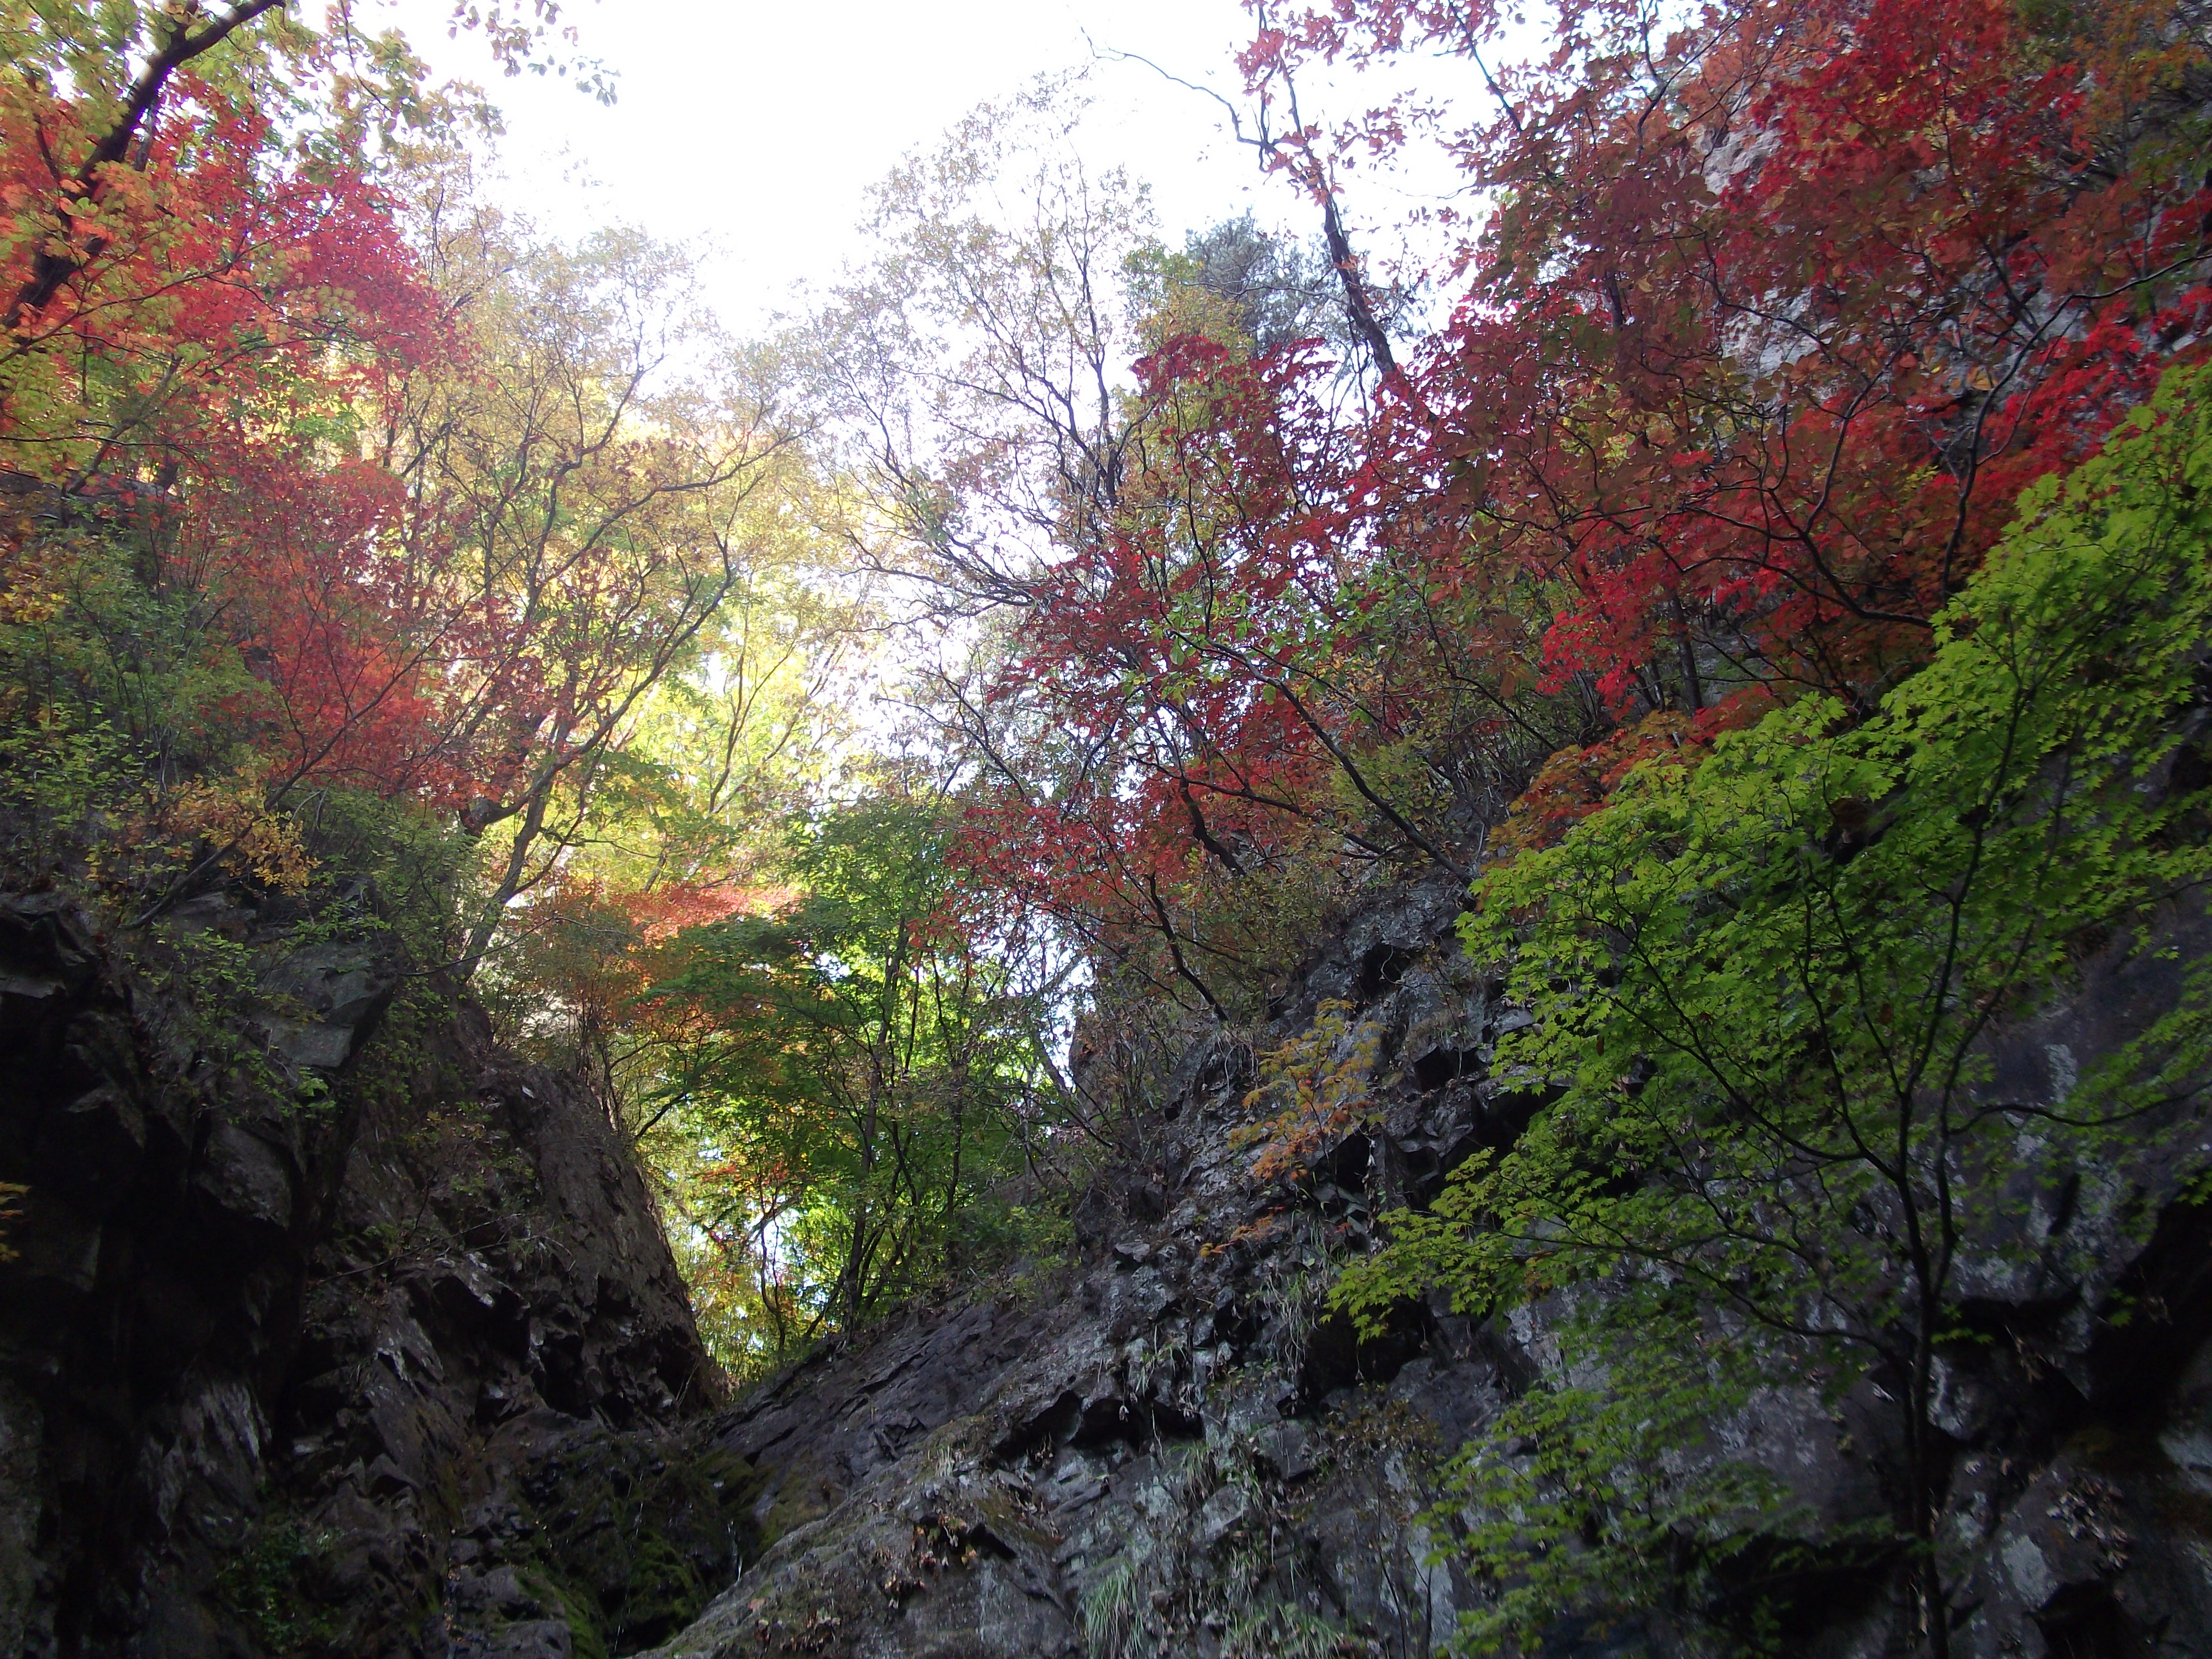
(1774, 313)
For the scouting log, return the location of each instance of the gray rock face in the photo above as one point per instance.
(393, 1364)
(1165, 1448)
(409, 1372)
(1162, 1447)
(330, 997)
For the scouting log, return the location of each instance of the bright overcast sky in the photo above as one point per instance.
(752, 130)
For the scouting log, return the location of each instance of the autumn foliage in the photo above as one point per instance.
(1777, 318)
(228, 307)
(314, 491)
(1776, 310)
(320, 486)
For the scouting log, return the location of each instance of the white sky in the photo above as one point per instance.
(750, 131)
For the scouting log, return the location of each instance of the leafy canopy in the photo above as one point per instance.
(861, 1078)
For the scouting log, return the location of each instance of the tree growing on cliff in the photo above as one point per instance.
(1768, 332)
(1768, 986)
(330, 484)
(1779, 308)
(199, 293)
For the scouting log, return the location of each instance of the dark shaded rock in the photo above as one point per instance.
(88, 1150)
(287, 1379)
(246, 1178)
(325, 1001)
(412, 1373)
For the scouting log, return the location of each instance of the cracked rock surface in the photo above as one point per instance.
(324, 1334)
(1168, 1448)
(411, 1374)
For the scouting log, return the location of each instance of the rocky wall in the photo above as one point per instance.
(340, 1331)
(327, 1327)
(1169, 1448)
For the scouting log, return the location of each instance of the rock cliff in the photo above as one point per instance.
(338, 1331)
(329, 1327)
(1172, 1449)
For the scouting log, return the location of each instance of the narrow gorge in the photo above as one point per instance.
(414, 1375)
(1200, 829)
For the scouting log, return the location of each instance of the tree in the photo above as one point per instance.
(1250, 699)
(1250, 287)
(1780, 308)
(1767, 984)
(1769, 331)
(454, 521)
(865, 1069)
(198, 298)
(581, 508)
(189, 192)
(686, 816)
(974, 368)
